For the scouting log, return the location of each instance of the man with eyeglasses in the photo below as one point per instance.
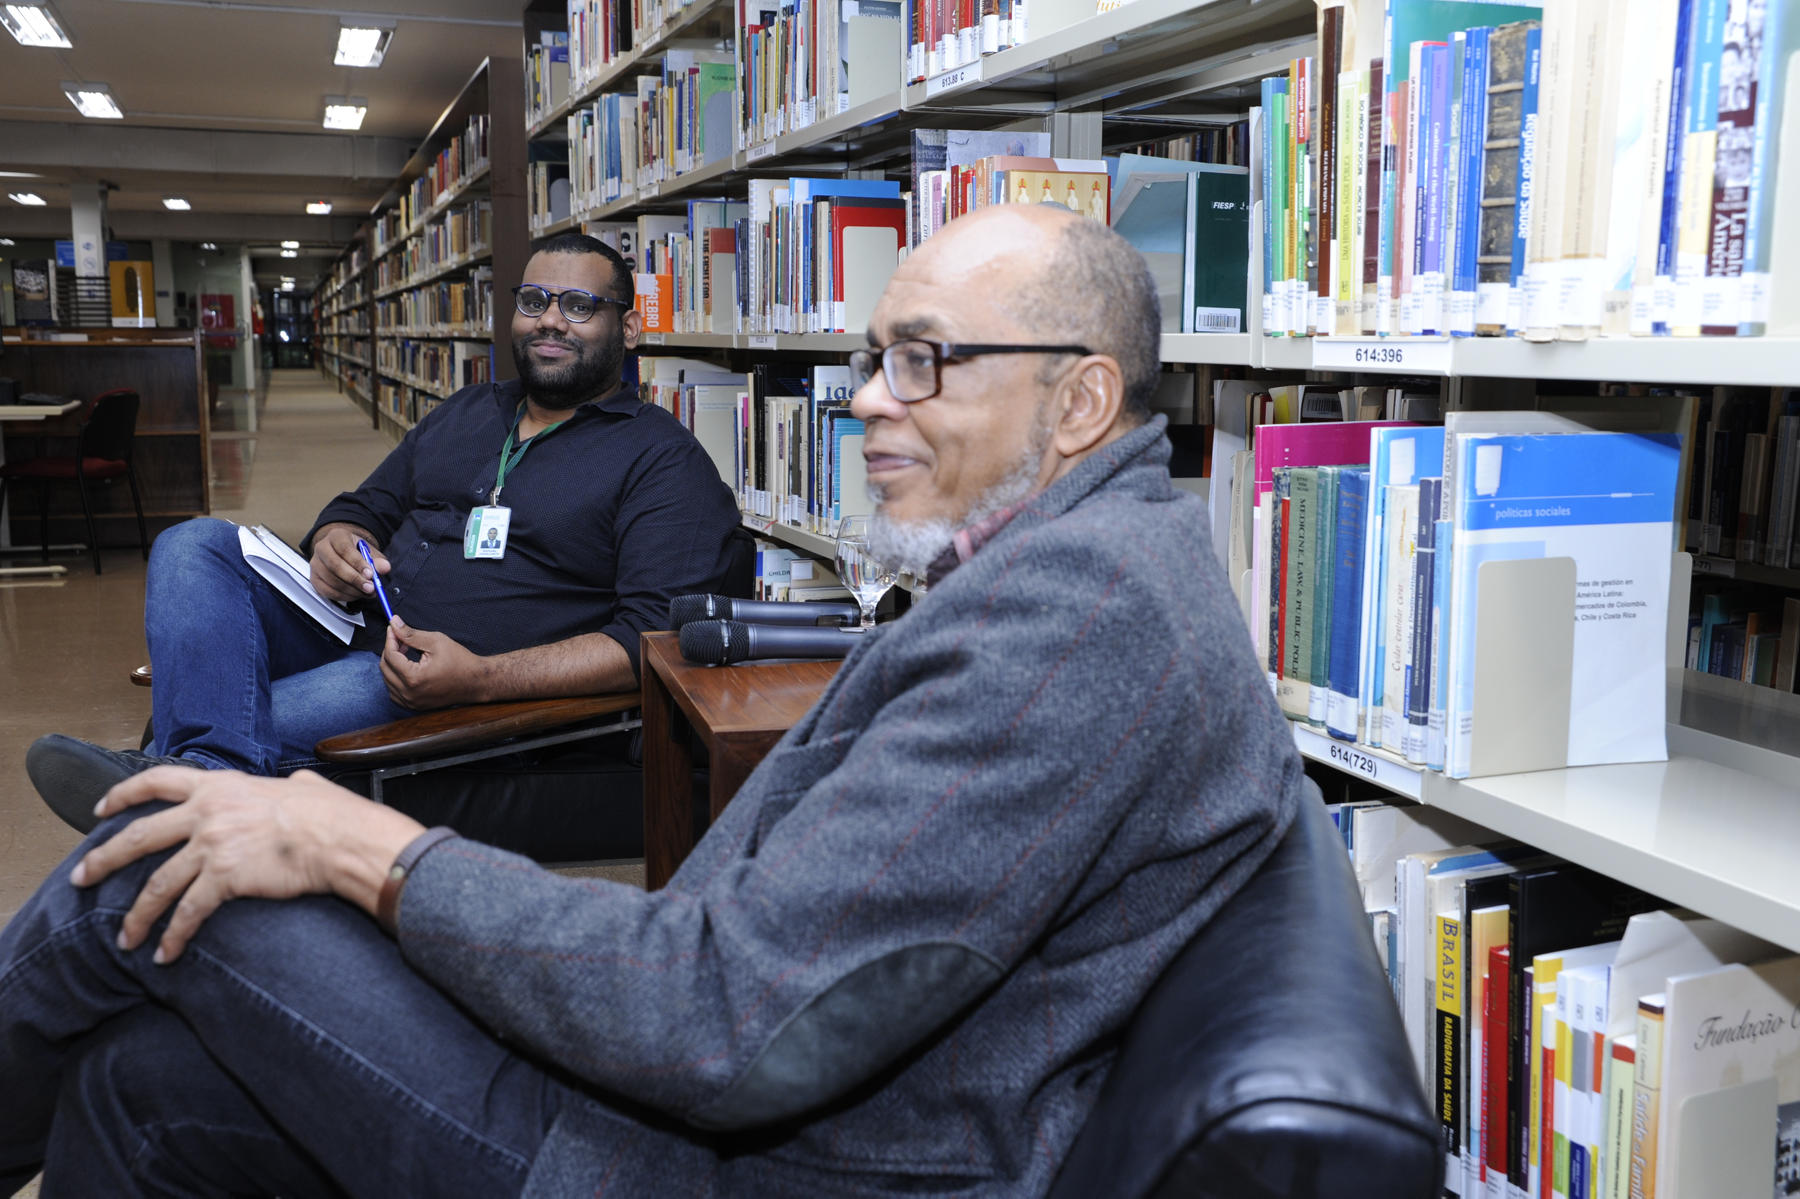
(526, 532)
(898, 963)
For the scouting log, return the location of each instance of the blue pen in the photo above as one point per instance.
(380, 591)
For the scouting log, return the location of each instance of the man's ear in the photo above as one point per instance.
(633, 324)
(1093, 394)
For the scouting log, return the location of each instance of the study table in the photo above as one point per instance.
(736, 713)
(23, 414)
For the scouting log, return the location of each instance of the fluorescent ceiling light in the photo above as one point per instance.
(7, 241)
(290, 245)
(319, 208)
(29, 199)
(20, 175)
(290, 253)
(286, 287)
(33, 24)
(362, 45)
(207, 245)
(93, 100)
(345, 112)
(176, 204)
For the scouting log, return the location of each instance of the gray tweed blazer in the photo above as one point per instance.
(899, 962)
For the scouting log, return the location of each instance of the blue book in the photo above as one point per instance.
(1528, 128)
(1669, 220)
(1398, 455)
(1419, 672)
(1343, 715)
(1605, 501)
(1434, 109)
(1440, 662)
(1472, 130)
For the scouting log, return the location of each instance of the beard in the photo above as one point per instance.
(912, 546)
(591, 370)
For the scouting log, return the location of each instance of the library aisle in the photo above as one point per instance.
(85, 633)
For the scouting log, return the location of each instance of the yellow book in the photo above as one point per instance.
(1646, 1096)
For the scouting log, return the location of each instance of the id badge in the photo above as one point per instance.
(485, 534)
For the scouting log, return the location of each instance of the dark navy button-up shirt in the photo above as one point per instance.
(613, 514)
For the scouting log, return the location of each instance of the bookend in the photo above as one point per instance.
(1727, 1142)
(1524, 642)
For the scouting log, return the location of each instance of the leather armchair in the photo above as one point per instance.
(1268, 1062)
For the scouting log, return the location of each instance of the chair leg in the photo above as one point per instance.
(137, 505)
(87, 514)
(44, 519)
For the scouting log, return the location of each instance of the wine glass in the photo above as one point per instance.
(867, 577)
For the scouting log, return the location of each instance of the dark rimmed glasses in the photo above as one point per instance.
(576, 305)
(914, 367)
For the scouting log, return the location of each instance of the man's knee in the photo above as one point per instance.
(182, 544)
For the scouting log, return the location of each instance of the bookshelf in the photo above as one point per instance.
(1708, 828)
(343, 321)
(451, 222)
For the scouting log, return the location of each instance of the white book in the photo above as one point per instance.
(287, 572)
(1401, 534)
(1729, 1028)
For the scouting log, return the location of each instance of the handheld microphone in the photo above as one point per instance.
(722, 642)
(685, 609)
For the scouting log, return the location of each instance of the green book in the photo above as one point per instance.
(1324, 549)
(717, 121)
(1301, 555)
(1219, 252)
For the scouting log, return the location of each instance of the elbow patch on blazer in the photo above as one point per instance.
(850, 1030)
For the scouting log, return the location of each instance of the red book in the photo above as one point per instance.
(848, 212)
(1493, 1084)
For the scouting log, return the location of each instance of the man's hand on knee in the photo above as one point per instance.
(430, 670)
(242, 836)
(338, 569)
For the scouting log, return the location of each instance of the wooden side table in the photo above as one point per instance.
(737, 712)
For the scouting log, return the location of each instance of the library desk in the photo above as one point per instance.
(20, 416)
(737, 713)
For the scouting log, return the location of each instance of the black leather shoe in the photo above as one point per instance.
(72, 775)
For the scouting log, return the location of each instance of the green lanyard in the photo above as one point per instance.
(509, 457)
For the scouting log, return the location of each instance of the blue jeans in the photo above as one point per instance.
(243, 679)
(290, 1050)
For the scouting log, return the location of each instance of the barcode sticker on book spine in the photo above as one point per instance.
(1218, 320)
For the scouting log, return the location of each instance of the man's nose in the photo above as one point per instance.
(873, 401)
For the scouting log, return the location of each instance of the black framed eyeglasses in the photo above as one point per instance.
(577, 305)
(914, 367)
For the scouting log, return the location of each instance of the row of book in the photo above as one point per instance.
(1383, 565)
(464, 230)
(460, 159)
(1745, 505)
(354, 348)
(619, 143)
(443, 367)
(1579, 170)
(797, 59)
(785, 575)
(942, 35)
(1578, 1039)
(782, 436)
(445, 307)
(1745, 633)
(603, 31)
(1226, 145)
(546, 75)
(347, 269)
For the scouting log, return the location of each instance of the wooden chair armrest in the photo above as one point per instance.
(140, 677)
(472, 726)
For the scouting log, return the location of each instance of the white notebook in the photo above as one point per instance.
(286, 571)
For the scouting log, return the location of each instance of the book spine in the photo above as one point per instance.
(1393, 127)
(1297, 591)
(1447, 1055)
(1330, 65)
(1662, 302)
(1434, 189)
(1399, 567)
(1528, 143)
(1277, 501)
(1440, 655)
(1771, 93)
(1493, 1082)
(1418, 673)
(1324, 570)
(1615, 1161)
(1368, 298)
(1721, 299)
(1646, 1097)
(1698, 158)
(1343, 716)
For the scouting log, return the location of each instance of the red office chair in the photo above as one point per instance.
(103, 453)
